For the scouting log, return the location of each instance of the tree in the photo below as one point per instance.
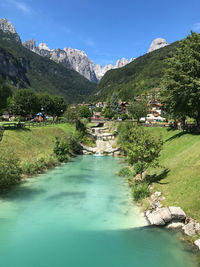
(181, 82)
(85, 112)
(24, 102)
(71, 114)
(46, 103)
(138, 109)
(60, 105)
(5, 93)
(141, 147)
(114, 101)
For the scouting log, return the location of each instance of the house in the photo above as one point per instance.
(100, 105)
(124, 106)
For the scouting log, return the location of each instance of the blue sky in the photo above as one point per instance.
(105, 30)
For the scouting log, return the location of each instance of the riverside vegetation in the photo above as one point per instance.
(177, 175)
(25, 152)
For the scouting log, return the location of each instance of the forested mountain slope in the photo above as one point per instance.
(23, 68)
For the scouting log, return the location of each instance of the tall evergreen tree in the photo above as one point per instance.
(181, 83)
(115, 106)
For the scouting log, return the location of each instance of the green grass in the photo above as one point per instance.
(32, 144)
(181, 185)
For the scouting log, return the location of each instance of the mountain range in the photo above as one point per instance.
(27, 65)
(73, 58)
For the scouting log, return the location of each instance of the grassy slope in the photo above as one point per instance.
(181, 155)
(30, 145)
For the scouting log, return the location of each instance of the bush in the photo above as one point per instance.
(124, 116)
(137, 168)
(10, 171)
(61, 150)
(125, 172)
(66, 147)
(140, 191)
(30, 168)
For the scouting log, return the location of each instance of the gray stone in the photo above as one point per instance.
(197, 228)
(155, 218)
(177, 213)
(165, 214)
(157, 44)
(197, 243)
(189, 229)
(175, 225)
(7, 27)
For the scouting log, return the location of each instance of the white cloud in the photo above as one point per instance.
(196, 27)
(19, 5)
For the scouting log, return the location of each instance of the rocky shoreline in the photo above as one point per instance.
(171, 217)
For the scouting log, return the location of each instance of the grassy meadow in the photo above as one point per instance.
(30, 145)
(178, 178)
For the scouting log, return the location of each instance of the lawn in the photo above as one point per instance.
(179, 178)
(31, 144)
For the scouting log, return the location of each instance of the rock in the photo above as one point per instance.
(7, 27)
(156, 195)
(197, 243)
(189, 229)
(175, 225)
(101, 71)
(165, 214)
(157, 44)
(155, 219)
(197, 228)
(159, 217)
(177, 213)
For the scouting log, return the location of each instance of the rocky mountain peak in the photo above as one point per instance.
(30, 44)
(157, 44)
(43, 46)
(7, 26)
(101, 71)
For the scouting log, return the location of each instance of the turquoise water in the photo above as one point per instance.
(82, 215)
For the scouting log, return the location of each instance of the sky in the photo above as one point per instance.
(106, 30)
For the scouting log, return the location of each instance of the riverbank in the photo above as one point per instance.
(176, 181)
(34, 147)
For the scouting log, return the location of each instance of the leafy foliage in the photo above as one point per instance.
(65, 147)
(181, 82)
(140, 191)
(5, 93)
(125, 172)
(24, 102)
(10, 171)
(141, 147)
(84, 112)
(40, 73)
(138, 109)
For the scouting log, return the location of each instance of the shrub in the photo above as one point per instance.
(61, 150)
(30, 168)
(10, 171)
(140, 191)
(125, 172)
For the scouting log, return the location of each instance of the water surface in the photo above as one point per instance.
(81, 215)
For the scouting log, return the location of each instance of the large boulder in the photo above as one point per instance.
(177, 213)
(159, 217)
(155, 219)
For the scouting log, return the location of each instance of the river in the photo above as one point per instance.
(81, 214)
